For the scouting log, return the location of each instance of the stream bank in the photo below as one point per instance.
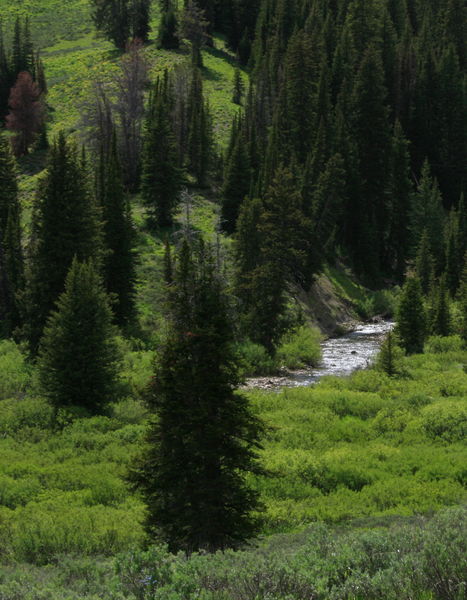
(341, 356)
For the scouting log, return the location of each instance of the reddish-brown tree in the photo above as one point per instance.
(26, 116)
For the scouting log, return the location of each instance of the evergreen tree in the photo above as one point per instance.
(8, 183)
(388, 359)
(411, 319)
(10, 233)
(199, 150)
(78, 354)
(424, 263)
(441, 320)
(236, 183)
(193, 26)
(238, 87)
(167, 35)
(119, 263)
(453, 259)
(66, 223)
(372, 137)
(401, 197)
(428, 214)
(463, 303)
(161, 178)
(118, 20)
(113, 19)
(202, 440)
(283, 259)
(140, 19)
(247, 251)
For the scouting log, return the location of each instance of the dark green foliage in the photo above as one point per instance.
(400, 207)
(463, 302)
(119, 20)
(12, 267)
(283, 258)
(193, 26)
(327, 212)
(119, 262)
(168, 266)
(427, 214)
(161, 178)
(199, 149)
(236, 183)
(238, 87)
(441, 320)
(202, 440)
(370, 205)
(8, 183)
(140, 17)
(411, 319)
(66, 223)
(247, 250)
(78, 354)
(389, 356)
(424, 263)
(453, 258)
(167, 35)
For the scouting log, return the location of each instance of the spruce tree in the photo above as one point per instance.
(113, 19)
(66, 223)
(10, 234)
(388, 359)
(8, 182)
(462, 295)
(427, 213)
(119, 262)
(401, 196)
(411, 318)
(424, 263)
(283, 259)
(167, 35)
(202, 439)
(161, 178)
(78, 354)
(373, 142)
(236, 183)
(238, 87)
(247, 251)
(441, 320)
(199, 150)
(453, 257)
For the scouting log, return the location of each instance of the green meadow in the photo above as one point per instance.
(364, 447)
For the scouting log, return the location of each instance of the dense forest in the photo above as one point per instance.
(193, 193)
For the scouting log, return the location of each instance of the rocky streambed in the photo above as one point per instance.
(340, 356)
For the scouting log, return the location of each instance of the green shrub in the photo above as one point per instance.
(446, 420)
(15, 372)
(441, 345)
(19, 417)
(300, 348)
(255, 360)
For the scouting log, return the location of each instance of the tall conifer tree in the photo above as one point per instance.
(411, 317)
(119, 262)
(66, 223)
(202, 440)
(78, 354)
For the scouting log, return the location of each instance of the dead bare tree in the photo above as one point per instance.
(129, 108)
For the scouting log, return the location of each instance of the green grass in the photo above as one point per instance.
(367, 303)
(363, 447)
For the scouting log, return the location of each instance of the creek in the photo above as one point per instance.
(340, 356)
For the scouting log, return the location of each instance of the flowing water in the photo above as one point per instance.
(340, 356)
